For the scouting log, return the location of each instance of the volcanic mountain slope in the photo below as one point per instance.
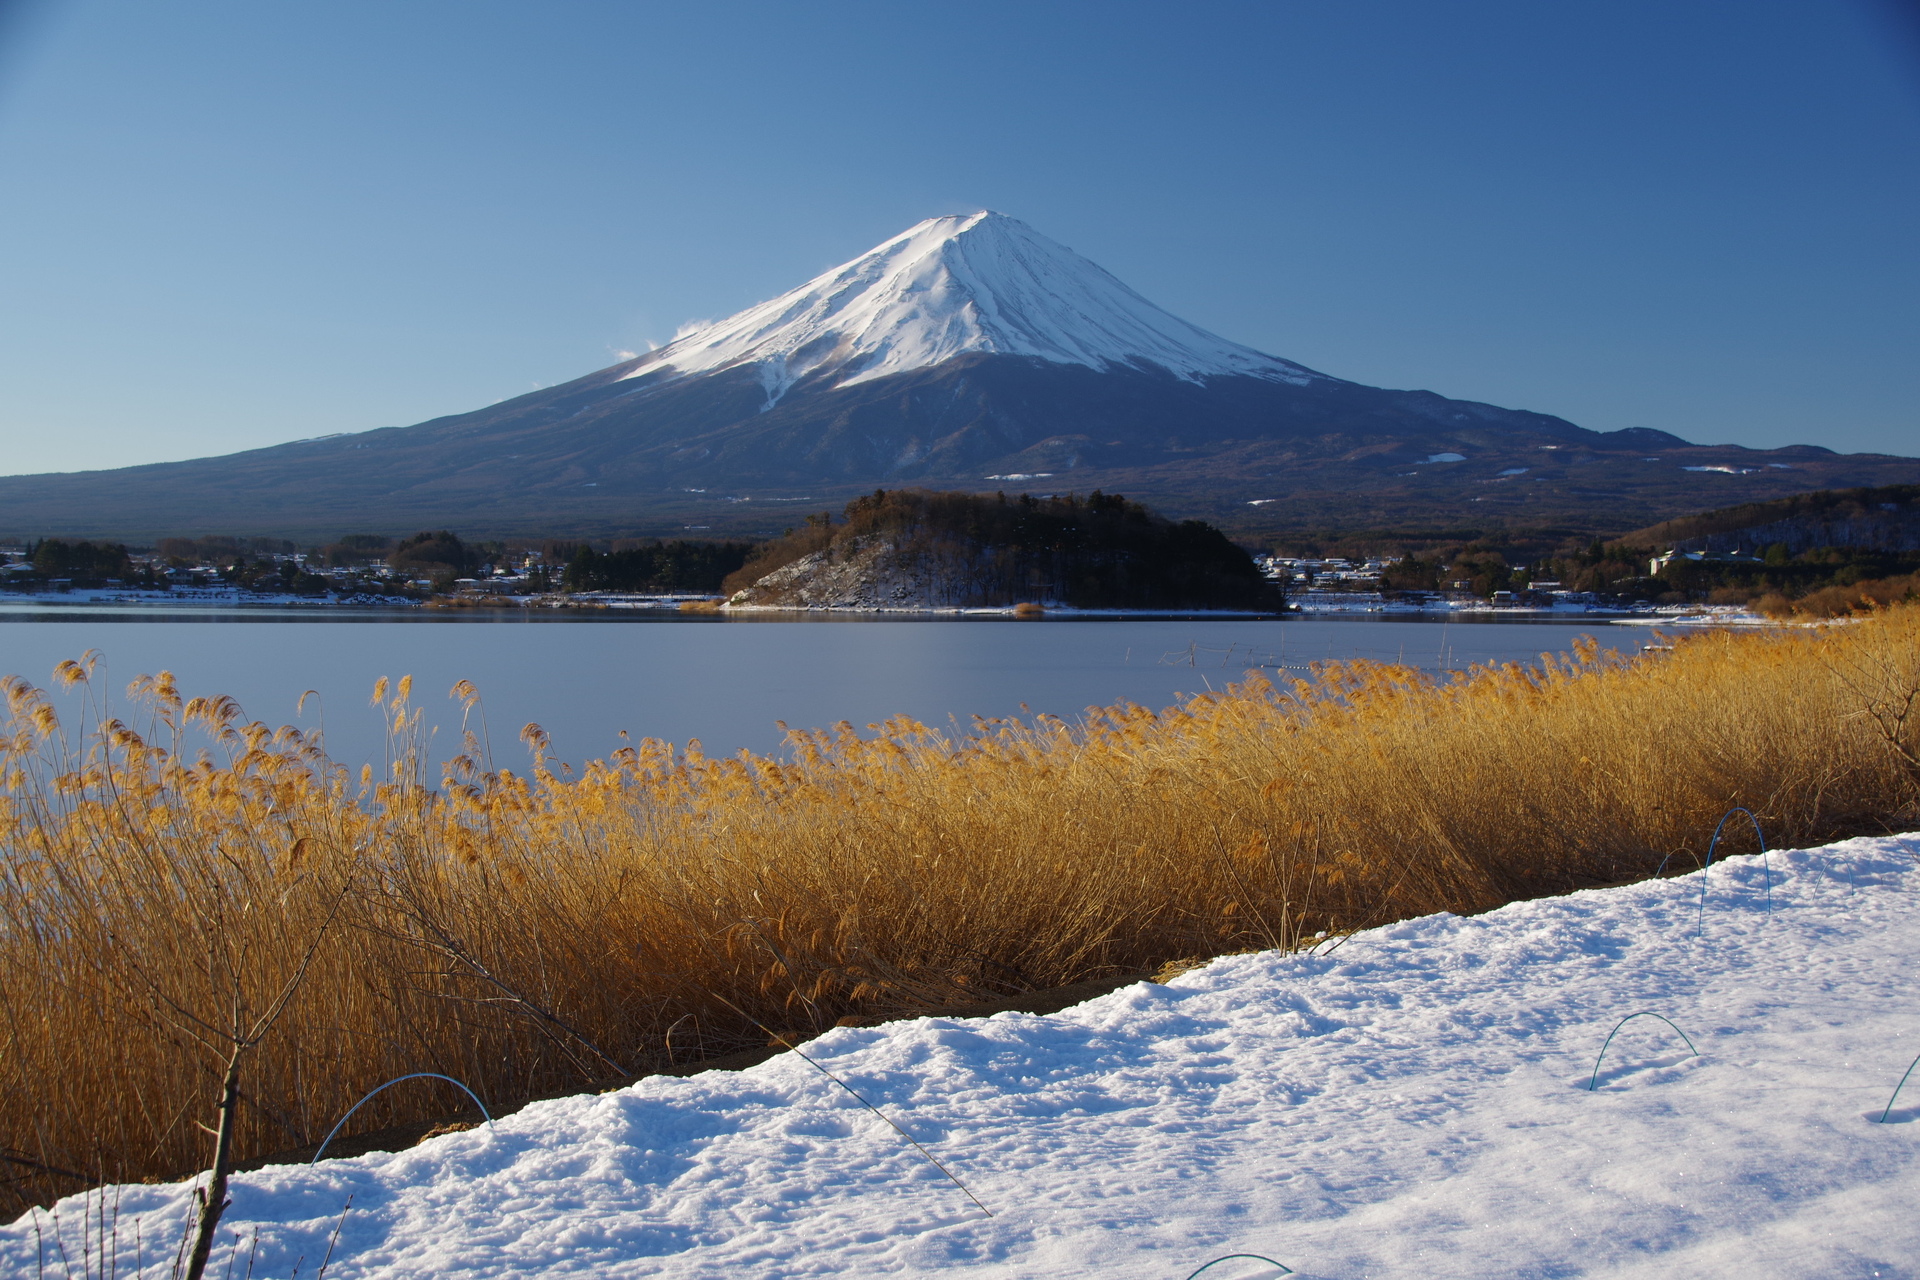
(967, 352)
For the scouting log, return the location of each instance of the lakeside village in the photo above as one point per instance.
(1337, 585)
(438, 570)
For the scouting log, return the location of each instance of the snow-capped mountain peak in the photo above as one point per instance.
(971, 283)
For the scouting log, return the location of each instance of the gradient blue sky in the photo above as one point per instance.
(227, 224)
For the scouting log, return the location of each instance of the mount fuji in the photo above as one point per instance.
(979, 284)
(967, 352)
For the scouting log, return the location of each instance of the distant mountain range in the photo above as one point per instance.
(968, 352)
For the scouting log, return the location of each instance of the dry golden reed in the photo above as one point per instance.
(535, 931)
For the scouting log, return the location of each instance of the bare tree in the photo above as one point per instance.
(231, 1032)
(1886, 686)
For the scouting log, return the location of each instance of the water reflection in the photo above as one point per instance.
(585, 678)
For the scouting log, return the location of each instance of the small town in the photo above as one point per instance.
(439, 570)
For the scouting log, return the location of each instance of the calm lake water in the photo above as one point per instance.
(584, 677)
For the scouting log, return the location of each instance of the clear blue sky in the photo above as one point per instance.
(227, 224)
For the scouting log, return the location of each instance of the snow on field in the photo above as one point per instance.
(1414, 1103)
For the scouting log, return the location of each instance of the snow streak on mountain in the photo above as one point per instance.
(972, 283)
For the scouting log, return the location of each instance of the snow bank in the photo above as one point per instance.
(1414, 1103)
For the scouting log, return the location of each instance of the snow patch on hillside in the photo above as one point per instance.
(1413, 1103)
(979, 282)
(874, 574)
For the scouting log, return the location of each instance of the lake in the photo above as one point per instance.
(586, 676)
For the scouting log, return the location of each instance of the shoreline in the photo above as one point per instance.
(695, 605)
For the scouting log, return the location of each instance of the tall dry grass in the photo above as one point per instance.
(532, 931)
(1840, 600)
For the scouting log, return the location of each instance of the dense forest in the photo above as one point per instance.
(656, 566)
(1097, 552)
(80, 561)
(1879, 519)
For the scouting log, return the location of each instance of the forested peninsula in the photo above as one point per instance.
(916, 549)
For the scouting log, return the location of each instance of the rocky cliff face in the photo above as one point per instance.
(876, 574)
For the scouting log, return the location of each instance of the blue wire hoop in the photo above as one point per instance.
(1251, 1256)
(417, 1075)
(1766, 863)
(1896, 1092)
(1594, 1083)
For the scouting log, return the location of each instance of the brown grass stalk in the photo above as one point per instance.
(532, 932)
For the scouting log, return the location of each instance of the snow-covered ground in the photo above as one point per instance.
(1414, 1103)
(1706, 616)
